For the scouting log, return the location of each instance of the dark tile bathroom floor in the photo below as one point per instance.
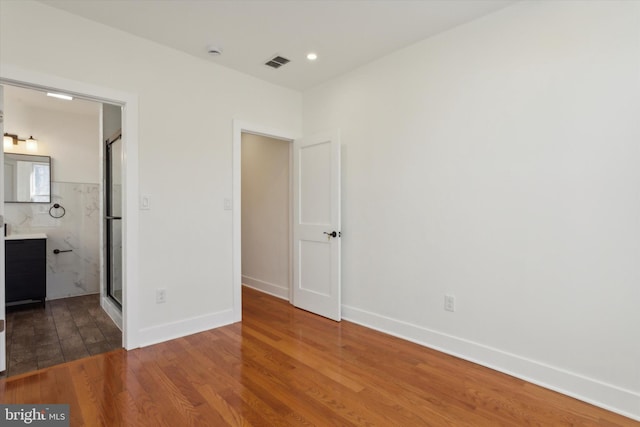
(66, 329)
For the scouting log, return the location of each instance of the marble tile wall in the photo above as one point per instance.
(70, 273)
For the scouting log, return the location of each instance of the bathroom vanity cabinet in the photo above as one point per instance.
(25, 269)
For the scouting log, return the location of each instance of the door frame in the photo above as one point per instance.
(3, 296)
(21, 77)
(115, 306)
(240, 127)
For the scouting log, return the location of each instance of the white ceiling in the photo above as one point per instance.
(14, 97)
(345, 34)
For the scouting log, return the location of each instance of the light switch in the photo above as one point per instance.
(145, 202)
(227, 205)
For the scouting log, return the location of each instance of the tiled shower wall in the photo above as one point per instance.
(69, 273)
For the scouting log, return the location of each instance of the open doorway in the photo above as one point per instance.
(241, 128)
(67, 322)
(266, 214)
(314, 169)
(19, 77)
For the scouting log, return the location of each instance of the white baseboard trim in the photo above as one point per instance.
(112, 310)
(182, 328)
(266, 287)
(607, 396)
(83, 294)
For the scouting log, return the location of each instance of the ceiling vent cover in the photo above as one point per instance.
(277, 62)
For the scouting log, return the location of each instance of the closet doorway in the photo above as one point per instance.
(313, 224)
(266, 214)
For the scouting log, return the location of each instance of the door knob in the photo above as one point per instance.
(332, 234)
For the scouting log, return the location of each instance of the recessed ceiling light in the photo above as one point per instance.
(60, 96)
(312, 56)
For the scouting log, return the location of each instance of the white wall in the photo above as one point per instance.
(72, 140)
(186, 107)
(111, 120)
(265, 214)
(498, 162)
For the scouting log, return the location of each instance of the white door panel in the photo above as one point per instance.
(315, 188)
(316, 253)
(313, 276)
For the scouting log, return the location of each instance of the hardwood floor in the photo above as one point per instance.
(282, 366)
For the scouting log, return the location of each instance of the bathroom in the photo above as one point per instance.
(70, 322)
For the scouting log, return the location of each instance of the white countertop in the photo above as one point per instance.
(25, 236)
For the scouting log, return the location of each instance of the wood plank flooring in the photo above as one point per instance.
(282, 366)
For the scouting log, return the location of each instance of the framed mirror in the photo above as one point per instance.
(27, 178)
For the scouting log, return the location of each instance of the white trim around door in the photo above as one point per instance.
(17, 76)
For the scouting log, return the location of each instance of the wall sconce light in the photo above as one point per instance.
(32, 144)
(11, 140)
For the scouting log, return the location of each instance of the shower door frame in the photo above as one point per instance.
(109, 217)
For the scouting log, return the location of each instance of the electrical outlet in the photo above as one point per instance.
(449, 303)
(161, 296)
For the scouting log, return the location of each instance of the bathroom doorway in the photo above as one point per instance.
(72, 323)
(128, 102)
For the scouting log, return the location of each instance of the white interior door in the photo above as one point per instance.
(316, 227)
(3, 323)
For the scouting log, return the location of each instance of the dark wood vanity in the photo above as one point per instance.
(26, 269)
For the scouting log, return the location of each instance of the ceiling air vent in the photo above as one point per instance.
(276, 62)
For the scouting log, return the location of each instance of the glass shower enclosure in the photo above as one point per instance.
(113, 217)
